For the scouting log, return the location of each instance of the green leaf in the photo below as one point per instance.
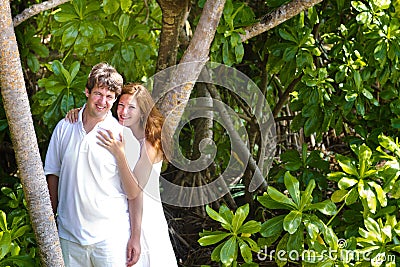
(352, 196)
(110, 6)
(215, 215)
(229, 251)
(279, 197)
(326, 207)
(128, 52)
(123, 25)
(3, 221)
(215, 255)
(282, 247)
(292, 221)
(381, 195)
(212, 238)
(239, 217)
(306, 196)
(5, 244)
(296, 243)
(347, 165)
(126, 5)
(339, 195)
(311, 125)
(272, 226)
(69, 36)
(292, 160)
(368, 195)
(74, 68)
(372, 226)
(292, 185)
(245, 251)
(345, 183)
(20, 231)
(331, 238)
(269, 203)
(250, 227)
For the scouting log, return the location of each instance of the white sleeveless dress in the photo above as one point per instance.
(156, 247)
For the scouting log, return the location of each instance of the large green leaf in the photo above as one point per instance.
(279, 197)
(229, 251)
(239, 217)
(347, 166)
(212, 238)
(326, 207)
(5, 243)
(215, 215)
(292, 185)
(292, 221)
(272, 226)
(250, 227)
(306, 196)
(245, 251)
(3, 221)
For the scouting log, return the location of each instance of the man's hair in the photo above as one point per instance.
(105, 75)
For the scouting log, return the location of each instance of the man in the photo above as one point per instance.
(84, 184)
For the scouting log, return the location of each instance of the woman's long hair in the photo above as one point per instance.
(151, 119)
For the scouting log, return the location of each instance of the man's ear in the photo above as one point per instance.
(87, 92)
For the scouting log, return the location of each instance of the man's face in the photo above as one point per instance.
(99, 101)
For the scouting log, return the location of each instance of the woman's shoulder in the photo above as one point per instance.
(153, 154)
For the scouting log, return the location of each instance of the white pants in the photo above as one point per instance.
(107, 253)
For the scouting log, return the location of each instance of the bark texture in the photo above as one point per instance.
(176, 98)
(36, 9)
(173, 15)
(16, 105)
(278, 16)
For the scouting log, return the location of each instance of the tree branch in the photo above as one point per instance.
(285, 96)
(36, 9)
(278, 16)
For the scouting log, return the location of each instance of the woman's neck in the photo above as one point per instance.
(138, 131)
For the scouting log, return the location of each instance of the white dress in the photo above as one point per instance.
(156, 247)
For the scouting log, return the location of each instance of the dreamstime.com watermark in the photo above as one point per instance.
(183, 77)
(341, 254)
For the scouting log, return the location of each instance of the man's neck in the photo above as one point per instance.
(89, 121)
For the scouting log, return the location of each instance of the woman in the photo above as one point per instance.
(136, 111)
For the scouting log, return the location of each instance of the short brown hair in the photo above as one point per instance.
(103, 74)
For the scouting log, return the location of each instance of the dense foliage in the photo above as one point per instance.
(331, 77)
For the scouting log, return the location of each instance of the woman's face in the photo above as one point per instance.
(128, 110)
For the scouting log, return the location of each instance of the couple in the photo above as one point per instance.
(95, 171)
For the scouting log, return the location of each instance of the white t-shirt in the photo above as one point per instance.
(92, 204)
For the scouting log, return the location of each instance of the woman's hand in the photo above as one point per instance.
(113, 145)
(72, 115)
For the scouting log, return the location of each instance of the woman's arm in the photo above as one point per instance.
(135, 217)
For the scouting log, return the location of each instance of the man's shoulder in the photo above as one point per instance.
(62, 125)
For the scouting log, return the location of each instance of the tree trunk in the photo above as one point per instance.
(16, 105)
(177, 95)
(173, 16)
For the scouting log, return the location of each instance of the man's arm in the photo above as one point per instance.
(52, 184)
